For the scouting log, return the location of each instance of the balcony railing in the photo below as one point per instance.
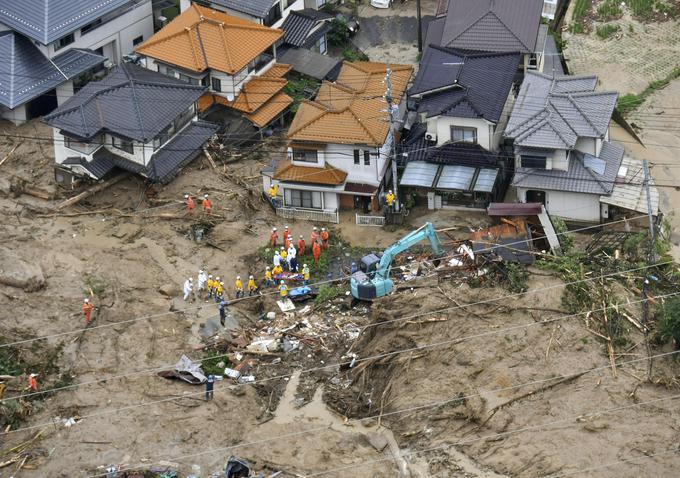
(377, 221)
(312, 215)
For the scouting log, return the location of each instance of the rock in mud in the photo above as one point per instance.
(16, 272)
(169, 290)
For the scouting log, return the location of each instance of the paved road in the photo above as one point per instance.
(392, 39)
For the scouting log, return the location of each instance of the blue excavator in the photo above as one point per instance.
(372, 280)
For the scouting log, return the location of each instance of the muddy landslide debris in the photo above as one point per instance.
(16, 272)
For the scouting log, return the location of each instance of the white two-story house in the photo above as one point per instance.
(233, 57)
(340, 144)
(50, 48)
(134, 119)
(270, 13)
(563, 156)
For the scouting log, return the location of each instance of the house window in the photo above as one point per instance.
(367, 158)
(84, 147)
(205, 80)
(274, 15)
(91, 26)
(537, 162)
(188, 79)
(462, 134)
(321, 45)
(63, 41)
(357, 157)
(303, 199)
(123, 144)
(216, 84)
(138, 40)
(306, 155)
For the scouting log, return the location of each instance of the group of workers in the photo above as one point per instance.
(213, 288)
(206, 203)
(289, 252)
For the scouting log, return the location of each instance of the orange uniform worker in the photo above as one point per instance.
(273, 238)
(286, 240)
(207, 204)
(190, 203)
(301, 245)
(316, 252)
(33, 382)
(324, 237)
(315, 235)
(87, 311)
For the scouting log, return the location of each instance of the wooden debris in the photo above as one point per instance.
(91, 191)
(210, 159)
(7, 156)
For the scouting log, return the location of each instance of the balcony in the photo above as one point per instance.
(312, 215)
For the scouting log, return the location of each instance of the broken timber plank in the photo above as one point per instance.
(10, 153)
(210, 159)
(91, 191)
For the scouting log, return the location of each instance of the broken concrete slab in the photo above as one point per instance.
(16, 272)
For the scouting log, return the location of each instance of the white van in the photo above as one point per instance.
(381, 3)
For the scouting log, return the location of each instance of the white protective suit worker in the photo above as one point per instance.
(188, 287)
(202, 280)
(292, 258)
(277, 259)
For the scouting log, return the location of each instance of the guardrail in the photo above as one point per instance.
(377, 221)
(313, 215)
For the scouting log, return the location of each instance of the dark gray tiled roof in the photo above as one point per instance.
(311, 63)
(25, 73)
(181, 150)
(131, 101)
(493, 25)
(100, 165)
(553, 112)
(299, 24)
(578, 178)
(458, 83)
(49, 20)
(254, 8)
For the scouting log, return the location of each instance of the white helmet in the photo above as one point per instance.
(283, 282)
(221, 283)
(186, 196)
(268, 268)
(200, 271)
(218, 279)
(301, 236)
(286, 227)
(304, 265)
(251, 277)
(390, 191)
(238, 277)
(191, 279)
(274, 229)
(87, 300)
(314, 228)
(323, 228)
(210, 276)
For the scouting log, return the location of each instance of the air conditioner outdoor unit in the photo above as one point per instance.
(431, 136)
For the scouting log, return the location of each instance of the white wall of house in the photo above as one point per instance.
(587, 145)
(64, 92)
(292, 5)
(115, 36)
(329, 195)
(441, 126)
(341, 156)
(569, 205)
(17, 115)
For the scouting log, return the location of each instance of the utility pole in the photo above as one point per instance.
(650, 260)
(393, 155)
(420, 27)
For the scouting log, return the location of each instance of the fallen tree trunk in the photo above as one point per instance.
(91, 191)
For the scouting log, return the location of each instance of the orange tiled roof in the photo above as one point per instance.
(270, 110)
(352, 110)
(256, 93)
(202, 38)
(205, 101)
(328, 175)
(278, 70)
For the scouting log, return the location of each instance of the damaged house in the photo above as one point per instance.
(563, 156)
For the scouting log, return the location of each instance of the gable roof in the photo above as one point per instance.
(553, 112)
(299, 24)
(578, 178)
(352, 110)
(327, 176)
(202, 38)
(458, 83)
(254, 8)
(25, 73)
(492, 25)
(131, 101)
(48, 20)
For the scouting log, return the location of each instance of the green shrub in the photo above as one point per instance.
(607, 30)
(669, 325)
(339, 33)
(608, 10)
(561, 229)
(329, 292)
(629, 102)
(578, 18)
(516, 278)
(642, 9)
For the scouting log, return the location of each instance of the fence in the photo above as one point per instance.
(370, 220)
(313, 215)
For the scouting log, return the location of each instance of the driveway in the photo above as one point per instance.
(391, 35)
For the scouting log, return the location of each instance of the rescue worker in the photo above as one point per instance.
(202, 279)
(292, 258)
(305, 274)
(286, 233)
(277, 271)
(207, 204)
(88, 307)
(277, 259)
(283, 289)
(209, 385)
(33, 382)
(390, 200)
(273, 238)
(273, 192)
(315, 235)
(286, 240)
(188, 287)
(284, 258)
(211, 286)
(268, 281)
(238, 285)
(223, 313)
(190, 203)
(219, 291)
(324, 237)
(301, 245)
(316, 252)
(252, 287)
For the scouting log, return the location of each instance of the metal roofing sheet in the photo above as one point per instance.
(419, 174)
(309, 62)
(485, 180)
(630, 193)
(456, 177)
(255, 8)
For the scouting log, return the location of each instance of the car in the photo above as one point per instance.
(351, 22)
(381, 3)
